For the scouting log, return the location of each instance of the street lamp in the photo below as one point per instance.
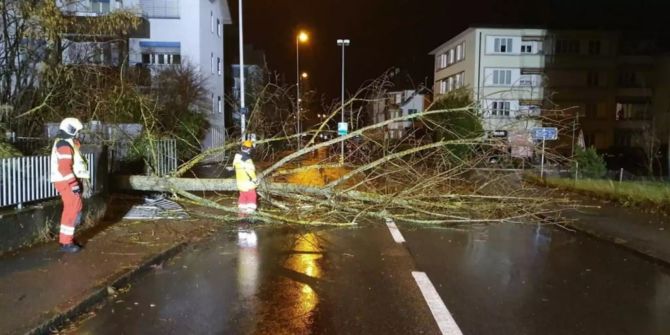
(302, 37)
(243, 108)
(343, 43)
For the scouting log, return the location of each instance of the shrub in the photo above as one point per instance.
(591, 164)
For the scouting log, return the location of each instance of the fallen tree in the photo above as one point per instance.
(414, 180)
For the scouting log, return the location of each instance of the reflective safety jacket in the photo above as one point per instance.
(245, 172)
(67, 163)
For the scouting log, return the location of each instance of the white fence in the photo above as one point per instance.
(26, 179)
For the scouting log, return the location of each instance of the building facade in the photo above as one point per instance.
(504, 70)
(618, 85)
(177, 32)
(190, 32)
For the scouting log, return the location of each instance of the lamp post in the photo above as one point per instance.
(302, 37)
(343, 43)
(243, 116)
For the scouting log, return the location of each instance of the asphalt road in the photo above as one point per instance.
(503, 279)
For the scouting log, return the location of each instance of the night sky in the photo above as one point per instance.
(401, 33)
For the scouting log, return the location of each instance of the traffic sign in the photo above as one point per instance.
(545, 133)
(342, 128)
(499, 133)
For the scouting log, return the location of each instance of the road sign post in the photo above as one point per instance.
(544, 134)
(342, 130)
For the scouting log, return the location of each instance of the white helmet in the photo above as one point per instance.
(71, 126)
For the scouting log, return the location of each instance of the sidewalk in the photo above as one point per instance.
(41, 287)
(644, 233)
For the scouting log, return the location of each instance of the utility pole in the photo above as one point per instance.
(243, 109)
(343, 43)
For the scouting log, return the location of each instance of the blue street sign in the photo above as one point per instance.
(546, 133)
(342, 128)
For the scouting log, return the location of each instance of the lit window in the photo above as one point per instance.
(451, 56)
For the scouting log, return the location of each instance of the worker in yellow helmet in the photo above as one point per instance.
(245, 173)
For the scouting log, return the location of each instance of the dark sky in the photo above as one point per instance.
(400, 33)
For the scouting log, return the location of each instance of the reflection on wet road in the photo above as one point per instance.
(504, 279)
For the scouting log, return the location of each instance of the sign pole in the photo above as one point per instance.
(542, 163)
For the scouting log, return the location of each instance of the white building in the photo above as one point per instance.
(188, 31)
(179, 32)
(503, 67)
(394, 105)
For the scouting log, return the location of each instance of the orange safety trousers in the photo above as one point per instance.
(71, 211)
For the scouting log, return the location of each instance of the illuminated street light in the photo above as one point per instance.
(305, 75)
(302, 37)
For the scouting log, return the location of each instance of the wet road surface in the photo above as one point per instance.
(504, 279)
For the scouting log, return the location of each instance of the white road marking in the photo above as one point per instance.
(395, 232)
(440, 312)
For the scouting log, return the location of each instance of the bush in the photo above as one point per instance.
(591, 164)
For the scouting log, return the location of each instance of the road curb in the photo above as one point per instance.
(621, 243)
(100, 293)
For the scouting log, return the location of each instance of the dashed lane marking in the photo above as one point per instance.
(444, 320)
(395, 232)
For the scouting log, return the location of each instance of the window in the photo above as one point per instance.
(459, 52)
(218, 65)
(628, 79)
(219, 105)
(443, 86)
(594, 47)
(592, 79)
(450, 85)
(500, 108)
(632, 111)
(219, 27)
(155, 58)
(212, 61)
(160, 8)
(567, 46)
(459, 80)
(442, 61)
(502, 77)
(211, 21)
(526, 48)
(502, 45)
(451, 56)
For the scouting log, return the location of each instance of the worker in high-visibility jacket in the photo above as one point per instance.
(245, 173)
(68, 170)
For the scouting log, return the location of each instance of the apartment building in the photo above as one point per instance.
(177, 32)
(618, 85)
(504, 69)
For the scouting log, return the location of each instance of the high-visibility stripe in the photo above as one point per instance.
(63, 178)
(66, 230)
(63, 156)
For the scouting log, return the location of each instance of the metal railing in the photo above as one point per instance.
(163, 161)
(159, 159)
(27, 179)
